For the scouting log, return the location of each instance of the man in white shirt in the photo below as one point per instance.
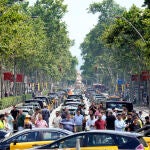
(119, 123)
(57, 120)
(90, 123)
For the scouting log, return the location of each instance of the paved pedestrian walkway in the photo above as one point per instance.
(2, 111)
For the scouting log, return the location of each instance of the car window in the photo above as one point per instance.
(127, 142)
(26, 137)
(69, 142)
(100, 140)
(49, 135)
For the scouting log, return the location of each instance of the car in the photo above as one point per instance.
(119, 105)
(81, 97)
(114, 98)
(34, 104)
(145, 130)
(29, 138)
(40, 101)
(4, 134)
(99, 140)
(29, 108)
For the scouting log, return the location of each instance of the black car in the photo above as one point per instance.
(3, 134)
(96, 139)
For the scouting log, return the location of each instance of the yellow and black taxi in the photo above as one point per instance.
(99, 140)
(145, 130)
(29, 138)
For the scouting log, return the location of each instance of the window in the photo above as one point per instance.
(101, 139)
(69, 142)
(27, 137)
(127, 142)
(49, 135)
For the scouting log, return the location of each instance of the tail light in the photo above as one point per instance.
(140, 147)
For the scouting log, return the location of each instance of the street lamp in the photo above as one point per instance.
(121, 17)
(126, 20)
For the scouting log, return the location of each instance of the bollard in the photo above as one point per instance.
(78, 144)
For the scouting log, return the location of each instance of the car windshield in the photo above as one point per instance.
(115, 105)
(72, 104)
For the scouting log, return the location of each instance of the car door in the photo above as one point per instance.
(87, 142)
(24, 141)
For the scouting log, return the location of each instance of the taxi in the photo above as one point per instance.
(29, 138)
(99, 140)
(145, 130)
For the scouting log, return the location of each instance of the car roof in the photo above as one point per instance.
(40, 129)
(115, 132)
(123, 102)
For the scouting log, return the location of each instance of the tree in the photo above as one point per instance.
(146, 3)
(94, 51)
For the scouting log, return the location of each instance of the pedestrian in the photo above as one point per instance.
(93, 107)
(27, 122)
(20, 120)
(119, 123)
(115, 111)
(41, 123)
(128, 121)
(14, 112)
(68, 123)
(84, 123)
(110, 121)
(2, 122)
(9, 120)
(57, 119)
(90, 122)
(64, 113)
(99, 123)
(78, 119)
(46, 114)
(134, 126)
(35, 115)
(96, 113)
(124, 117)
(103, 115)
(147, 120)
(80, 109)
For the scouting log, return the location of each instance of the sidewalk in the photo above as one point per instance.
(2, 111)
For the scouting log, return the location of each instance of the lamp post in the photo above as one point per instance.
(126, 20)
(132, 27)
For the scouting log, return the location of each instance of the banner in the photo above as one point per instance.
(8, 76)
(19, 78)
(145, 75)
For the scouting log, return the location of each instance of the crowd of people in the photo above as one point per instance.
(100, 119)
(97, 118)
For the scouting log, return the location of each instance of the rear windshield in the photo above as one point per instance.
(120, 106)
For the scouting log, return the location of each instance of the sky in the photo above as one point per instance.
(80, 22)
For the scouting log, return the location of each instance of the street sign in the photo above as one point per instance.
(120, 82)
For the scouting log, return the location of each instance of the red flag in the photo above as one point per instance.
(19, 78)
(7, 75)
(145, 75)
